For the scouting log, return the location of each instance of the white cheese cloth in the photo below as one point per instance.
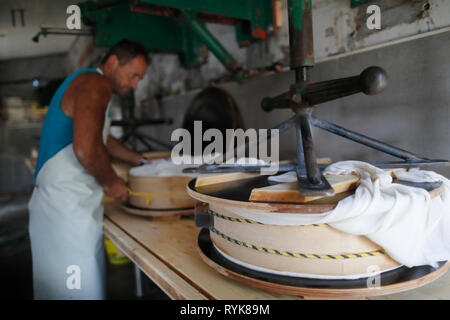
(166, 168)
(410, 226)
(162, 168)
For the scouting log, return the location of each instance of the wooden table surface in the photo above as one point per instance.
(165, 249)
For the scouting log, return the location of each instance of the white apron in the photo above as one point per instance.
(66, 222)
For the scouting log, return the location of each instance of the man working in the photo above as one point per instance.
(73, 172)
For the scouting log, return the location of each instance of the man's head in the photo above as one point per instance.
(124, 65)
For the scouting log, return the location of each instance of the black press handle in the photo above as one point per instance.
(371, 81)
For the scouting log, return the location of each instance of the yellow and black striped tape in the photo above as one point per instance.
(218, 215)
(297, 254)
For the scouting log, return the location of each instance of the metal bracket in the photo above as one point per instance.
(202, 218)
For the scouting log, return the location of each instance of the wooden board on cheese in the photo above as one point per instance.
(289, 192)
(216, 178)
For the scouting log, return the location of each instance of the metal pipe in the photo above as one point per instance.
(302, 74)
(300, 167)
(211, 42)
(359, 138)
(138, 281)
(300, 33)
(308, 151)
(215, 168)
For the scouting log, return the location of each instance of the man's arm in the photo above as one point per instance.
(120, 152)
(88, 119)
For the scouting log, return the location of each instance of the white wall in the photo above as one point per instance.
(16, 42)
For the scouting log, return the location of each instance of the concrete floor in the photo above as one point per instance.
(121, 284)
(16, 273)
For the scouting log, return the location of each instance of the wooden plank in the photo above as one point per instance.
(289, 192)
(216, 178)
(174, 244)
(171, 283)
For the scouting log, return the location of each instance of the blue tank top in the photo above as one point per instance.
(57, 130)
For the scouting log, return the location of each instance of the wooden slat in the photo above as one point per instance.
(216, 178)
(289, 192)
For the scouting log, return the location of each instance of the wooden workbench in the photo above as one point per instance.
(165, 249)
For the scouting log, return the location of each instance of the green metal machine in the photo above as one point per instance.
(178, 26)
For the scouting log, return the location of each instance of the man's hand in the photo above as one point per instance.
(117, 189)
(120, 152)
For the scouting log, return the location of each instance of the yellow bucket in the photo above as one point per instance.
(115, 256)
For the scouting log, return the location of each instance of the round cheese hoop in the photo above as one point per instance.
(237, 197)
(394, 281)
(165, 192)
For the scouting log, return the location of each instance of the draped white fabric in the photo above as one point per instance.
(410, 226)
